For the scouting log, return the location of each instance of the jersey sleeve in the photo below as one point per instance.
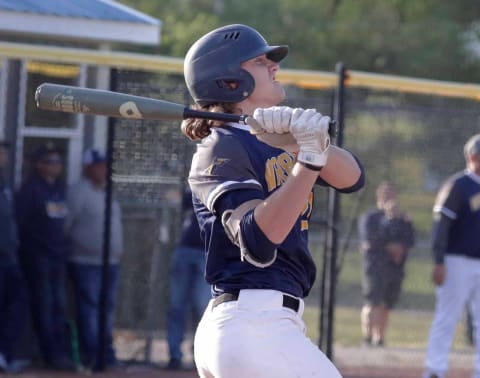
(448, 201)
(351, 189)
(409, 231)
(445, 211)
(369, 228)
(25, 205)
(221, 165)
(369, 231)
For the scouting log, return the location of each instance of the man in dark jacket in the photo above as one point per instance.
(13, 296)
(41, 211)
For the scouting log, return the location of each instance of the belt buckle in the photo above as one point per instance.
(222, 298)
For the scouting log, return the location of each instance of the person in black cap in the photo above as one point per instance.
(41, 211)
(13, 296)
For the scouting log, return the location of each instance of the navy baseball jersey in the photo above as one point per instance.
(459, 201)
(230, 167)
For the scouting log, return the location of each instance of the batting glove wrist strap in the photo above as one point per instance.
(310, 166)
(312, 159)
(310, 129)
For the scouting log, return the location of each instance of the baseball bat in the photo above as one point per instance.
(71, 99)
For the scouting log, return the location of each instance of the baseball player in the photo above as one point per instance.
(456, 250)
(253, 202)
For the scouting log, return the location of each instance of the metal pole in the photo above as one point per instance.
(158, 247)
(330, 264)
(323, 284)
(102, 316)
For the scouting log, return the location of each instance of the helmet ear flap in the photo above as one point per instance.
(230, 87)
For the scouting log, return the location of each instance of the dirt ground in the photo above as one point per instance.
(353, 362)
(152, 372)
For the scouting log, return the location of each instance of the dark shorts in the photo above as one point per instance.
(382, 282)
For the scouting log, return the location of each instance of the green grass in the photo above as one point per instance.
(410, 320)
(417, 289)
(407, 329)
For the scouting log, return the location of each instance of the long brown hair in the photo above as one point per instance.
(196, 128)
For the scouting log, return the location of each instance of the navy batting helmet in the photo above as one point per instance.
(213, 62)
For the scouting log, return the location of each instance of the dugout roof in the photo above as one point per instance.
(97, 21)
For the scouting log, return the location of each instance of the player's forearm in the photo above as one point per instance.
(341, 170)
(277, 214)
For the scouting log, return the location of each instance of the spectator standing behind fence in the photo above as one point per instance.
(188, 289)
(386, 235)
(13, 296)
(456, 252)
(85, 229)
(41, 211)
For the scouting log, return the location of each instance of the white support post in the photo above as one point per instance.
(100, 123)
(3, 97)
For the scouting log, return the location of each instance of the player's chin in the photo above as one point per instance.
(279, 91)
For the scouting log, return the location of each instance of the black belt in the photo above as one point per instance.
(288, 301)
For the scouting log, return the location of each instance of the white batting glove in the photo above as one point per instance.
(310, 129)
(275, 119)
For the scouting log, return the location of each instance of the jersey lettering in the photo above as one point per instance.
(56, 209)
(277, 169)
(217, 163)
(307, 211)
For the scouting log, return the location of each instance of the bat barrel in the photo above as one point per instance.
(71, 99)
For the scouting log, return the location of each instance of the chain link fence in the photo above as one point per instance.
(414, 141)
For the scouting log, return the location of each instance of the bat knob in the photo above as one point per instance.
(332, 128)
(37, 95)
(252, 122)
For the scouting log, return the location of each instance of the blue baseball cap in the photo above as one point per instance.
(44, 150)
(93, 156)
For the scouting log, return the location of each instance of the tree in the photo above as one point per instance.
(403, 37)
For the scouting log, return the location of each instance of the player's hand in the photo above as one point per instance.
(438, 274)
(395, 251)
(310, 129)
(272, 125)
(275, 119)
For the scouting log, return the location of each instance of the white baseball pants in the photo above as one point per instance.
(461, 286)
(256, 336)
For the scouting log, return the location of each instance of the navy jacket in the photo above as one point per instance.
(8, 227)
(41, 211)
(190, 228)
